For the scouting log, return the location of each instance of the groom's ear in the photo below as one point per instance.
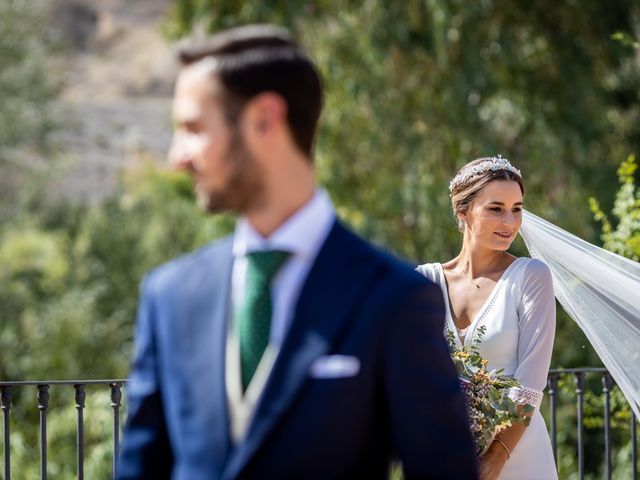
(263, 121)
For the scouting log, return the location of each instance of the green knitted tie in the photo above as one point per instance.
(253, 318)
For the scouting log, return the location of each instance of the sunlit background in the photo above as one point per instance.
(414, 89)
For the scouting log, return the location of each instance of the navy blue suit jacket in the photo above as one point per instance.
(405, 401)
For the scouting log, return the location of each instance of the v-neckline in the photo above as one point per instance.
(471, 328)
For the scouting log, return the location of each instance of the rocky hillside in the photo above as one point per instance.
(119, 73)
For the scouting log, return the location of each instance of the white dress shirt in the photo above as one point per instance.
(302, 235)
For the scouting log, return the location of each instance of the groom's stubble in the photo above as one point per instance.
(244, 189)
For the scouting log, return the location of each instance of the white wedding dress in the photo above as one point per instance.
(519, 317)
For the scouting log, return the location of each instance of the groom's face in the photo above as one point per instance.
(209, 146)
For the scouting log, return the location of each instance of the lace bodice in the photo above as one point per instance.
(519, 318)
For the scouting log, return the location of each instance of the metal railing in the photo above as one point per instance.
(115, 386)
(42, 400)
(607, 385)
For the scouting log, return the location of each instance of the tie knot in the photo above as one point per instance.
(265, 264)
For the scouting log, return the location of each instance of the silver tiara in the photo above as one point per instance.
(493, 164)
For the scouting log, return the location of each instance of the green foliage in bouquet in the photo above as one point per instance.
(490, 408)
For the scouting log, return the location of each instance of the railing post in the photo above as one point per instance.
(580, 401)
(5, 401)
(607, 383)
(43, 404)
(80, 399)
(116, 398)
(552, 389)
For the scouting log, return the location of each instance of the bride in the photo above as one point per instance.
(512, 298)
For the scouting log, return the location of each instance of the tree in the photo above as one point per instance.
(28, 84)
(624, 238)
(68, 294)
(415, 89)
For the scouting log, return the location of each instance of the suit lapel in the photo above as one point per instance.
(203, 329)
(335, 283)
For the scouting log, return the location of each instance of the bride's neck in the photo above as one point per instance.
(474, 262)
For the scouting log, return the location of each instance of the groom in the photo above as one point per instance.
(291, 349)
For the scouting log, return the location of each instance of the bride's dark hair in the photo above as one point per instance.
(463, 194)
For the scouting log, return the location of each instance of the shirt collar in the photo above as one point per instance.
(301, 234)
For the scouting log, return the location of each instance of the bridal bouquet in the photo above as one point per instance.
(490, 409)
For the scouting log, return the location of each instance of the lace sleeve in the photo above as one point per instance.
(525, 395)
(536, 330)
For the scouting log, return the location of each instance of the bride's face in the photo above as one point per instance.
(495, 215)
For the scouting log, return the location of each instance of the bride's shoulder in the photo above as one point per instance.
(533, 270)
(429, 270)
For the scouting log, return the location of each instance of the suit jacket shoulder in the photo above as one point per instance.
(189, 269)
(397, 277)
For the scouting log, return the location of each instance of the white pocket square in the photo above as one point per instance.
(335, 366)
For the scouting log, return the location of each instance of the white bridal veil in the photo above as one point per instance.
(600, 291)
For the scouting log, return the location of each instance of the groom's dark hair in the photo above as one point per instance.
(253, 59)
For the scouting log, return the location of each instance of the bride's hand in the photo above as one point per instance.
(492, 462)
